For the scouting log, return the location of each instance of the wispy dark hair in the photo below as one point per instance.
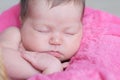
(24, 5)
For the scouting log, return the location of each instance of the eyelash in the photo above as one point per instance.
(70, 33)
(47, 31)
(42, 31)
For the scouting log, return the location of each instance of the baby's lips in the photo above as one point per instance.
(55, 53)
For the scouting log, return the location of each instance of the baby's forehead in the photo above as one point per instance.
(39, 6)
(36, 7)
(28, 6)
(54, 3)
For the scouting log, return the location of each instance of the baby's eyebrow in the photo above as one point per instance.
(45, 23)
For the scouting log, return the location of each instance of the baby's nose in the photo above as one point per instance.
(55, 40)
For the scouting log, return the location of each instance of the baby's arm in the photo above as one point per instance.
(43, 61)
(16, 66)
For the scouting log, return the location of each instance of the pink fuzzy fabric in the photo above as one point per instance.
(99, 53)
(10, 18)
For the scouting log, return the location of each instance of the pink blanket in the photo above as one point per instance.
(99, 54)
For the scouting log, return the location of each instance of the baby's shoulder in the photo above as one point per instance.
(10, 36)
(12, 31)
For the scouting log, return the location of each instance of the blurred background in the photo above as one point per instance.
(112, 6)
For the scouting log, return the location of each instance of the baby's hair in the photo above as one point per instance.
(24, 5)
(3, 75)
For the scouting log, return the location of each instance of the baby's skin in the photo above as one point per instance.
(24, 63)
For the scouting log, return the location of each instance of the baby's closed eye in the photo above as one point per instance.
(71, 31)
(42, 29)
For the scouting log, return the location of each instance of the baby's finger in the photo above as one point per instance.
(32, 59)
(29, 57)
(65, 64)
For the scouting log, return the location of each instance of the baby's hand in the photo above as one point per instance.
(44, 62)
(16, 67)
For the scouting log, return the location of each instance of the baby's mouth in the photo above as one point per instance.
(57, 54)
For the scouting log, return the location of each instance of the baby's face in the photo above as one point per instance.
(56, 31)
